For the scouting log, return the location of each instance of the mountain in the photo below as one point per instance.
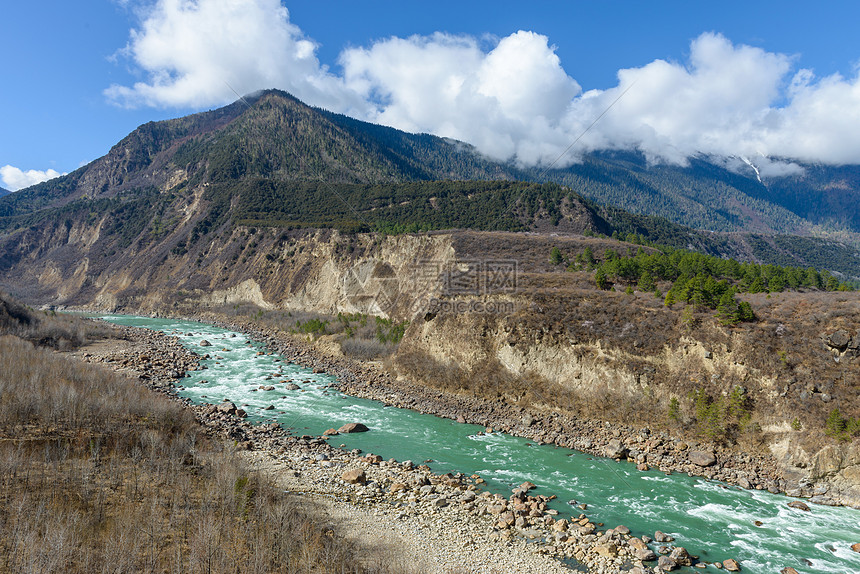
(705, 194)
(179, 199)
(4, 192)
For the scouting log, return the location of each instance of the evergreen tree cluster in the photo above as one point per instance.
(701, 280)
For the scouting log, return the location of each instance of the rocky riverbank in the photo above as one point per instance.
(445, 517)
(639, 446)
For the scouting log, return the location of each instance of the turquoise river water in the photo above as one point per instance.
(712, 520)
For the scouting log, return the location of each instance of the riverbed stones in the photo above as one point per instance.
(354, 476)
(615, 449)
(227, 408)
(661, 537)
(800, 505)
(702, 458)
(352, 428)
(788, 570)
(644, 554)
(666, 564)
(856, 547)
(731, 565)
(205, 343)
(681, 557)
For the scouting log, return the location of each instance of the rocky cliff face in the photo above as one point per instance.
(321, 271)
(549, 369)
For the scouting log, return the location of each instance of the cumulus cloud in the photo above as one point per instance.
(197, 53)
(14, 178)
(513, 100)
(507, 102)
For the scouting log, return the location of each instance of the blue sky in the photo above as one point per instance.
(769, 82)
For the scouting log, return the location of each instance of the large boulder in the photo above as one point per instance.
(731, 565)
(354, 476)
(666, 564)
(680, 555)
(352, 427)
(614, 449)
(702, 458)
(227, 408)
(798, 505)
(838, 339)
(645, 554)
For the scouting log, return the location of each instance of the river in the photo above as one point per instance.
(710, 519)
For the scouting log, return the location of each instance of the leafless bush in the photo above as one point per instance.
(365, 349)
(46, 328)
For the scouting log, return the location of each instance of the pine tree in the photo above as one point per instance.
(728, 308)
(600, 279)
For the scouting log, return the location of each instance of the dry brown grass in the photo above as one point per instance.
(46, 328)
(98, 474)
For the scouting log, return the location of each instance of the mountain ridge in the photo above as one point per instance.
(268, 159)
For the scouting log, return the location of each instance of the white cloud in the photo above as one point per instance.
(513, 101)
(195, 53)
(14, 178)
(506, 102)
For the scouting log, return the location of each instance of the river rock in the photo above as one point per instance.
(644, 554)
(354, 476)
(666, 564)
(292, 387)
(788, 570)
(352, 427)
(205, 343)
(227, 407)
(702, 458)
(662, 537)
(614, 449)
(606, 550)
(496, 508)
(680, 555)
(798, 505)
(731, 565)
(856, 547)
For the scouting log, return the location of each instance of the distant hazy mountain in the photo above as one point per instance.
(270, 160)
(4, 192)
